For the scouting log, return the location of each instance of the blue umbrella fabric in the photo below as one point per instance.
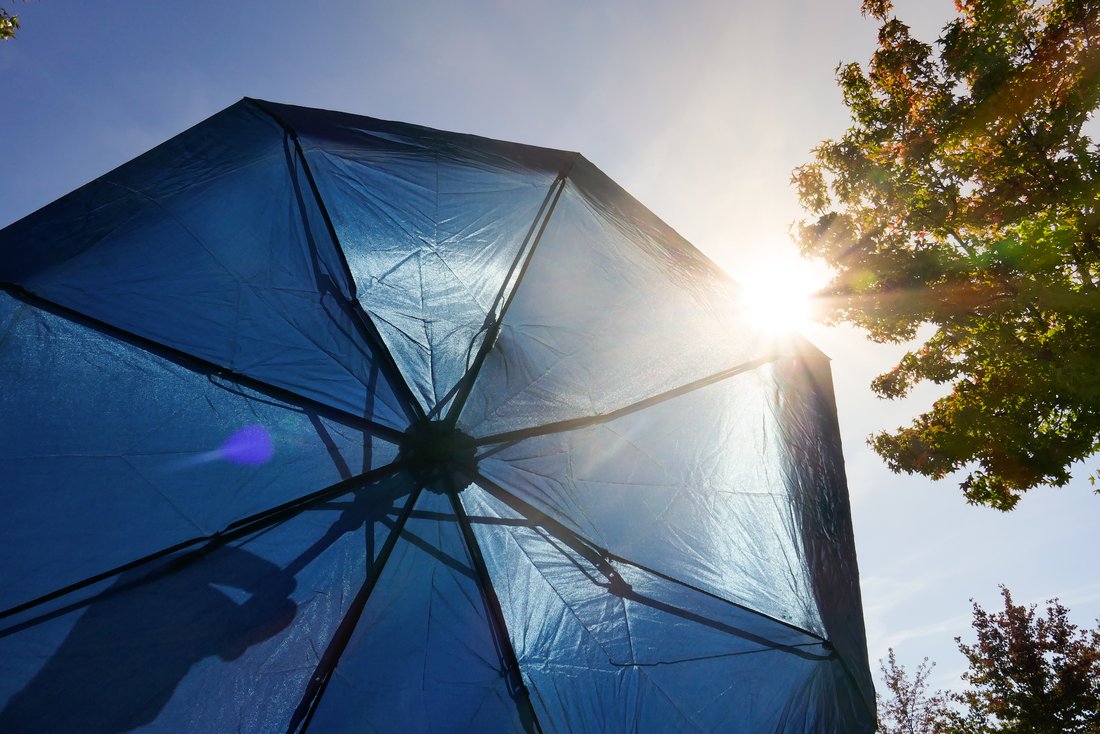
(313, 421)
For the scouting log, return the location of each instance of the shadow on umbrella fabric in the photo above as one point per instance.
(137, 640)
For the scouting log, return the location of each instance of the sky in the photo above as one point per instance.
(699, 109)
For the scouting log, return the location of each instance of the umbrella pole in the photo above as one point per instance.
(299, 722)
(507, 653)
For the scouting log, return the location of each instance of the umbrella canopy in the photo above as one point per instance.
(317, 421)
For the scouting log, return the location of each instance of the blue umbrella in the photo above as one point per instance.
(313, 421)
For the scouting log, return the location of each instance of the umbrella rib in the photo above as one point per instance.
(237, 529)
(411, 403)
(583, 422)
(496, 613)
(200, 365)
(322, 674)
(601, 557)
(493, 321)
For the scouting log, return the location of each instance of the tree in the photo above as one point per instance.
(965, 199)
(9, 24)
(909, 707)
(1029, 674)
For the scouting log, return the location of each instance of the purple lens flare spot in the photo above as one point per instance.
(249, 446)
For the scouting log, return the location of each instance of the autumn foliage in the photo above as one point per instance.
(1029, 673)
(965, 199)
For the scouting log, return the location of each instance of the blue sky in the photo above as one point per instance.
(700, 109)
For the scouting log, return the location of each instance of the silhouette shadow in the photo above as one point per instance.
(138, 639)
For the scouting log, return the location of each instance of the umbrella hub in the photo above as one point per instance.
(439, 455)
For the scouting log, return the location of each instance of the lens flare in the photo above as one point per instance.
(249, 446)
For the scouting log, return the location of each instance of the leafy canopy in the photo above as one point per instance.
(965, 197)
(909, 707)
(8, 24)
(1029, 673)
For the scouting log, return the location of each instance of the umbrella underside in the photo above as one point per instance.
(320, 422)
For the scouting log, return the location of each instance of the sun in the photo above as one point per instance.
(777, 293)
